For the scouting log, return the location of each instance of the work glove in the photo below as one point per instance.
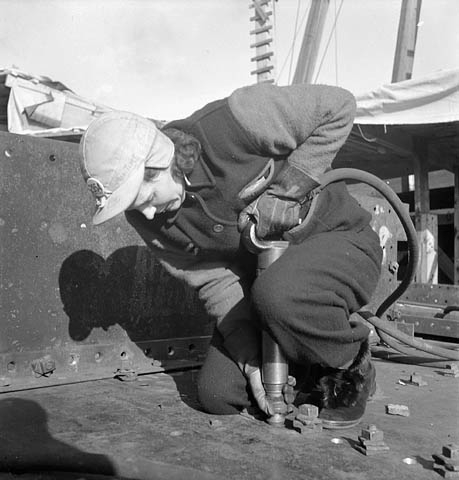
(277, 210)
(253, 375)
(244, 347)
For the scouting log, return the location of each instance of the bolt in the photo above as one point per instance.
(452, 369)
(5, 381)
(416, 379)
(451, 451)
(372, 434)
(307, 427)
(215, 423)
(393, 409)
(308, 410)
(43, 366)
(393, 267)
(126, 375)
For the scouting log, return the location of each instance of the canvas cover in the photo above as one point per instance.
(37, 106)
(430, 99)
(40, 107)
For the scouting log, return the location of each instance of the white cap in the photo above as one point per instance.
(114, 151)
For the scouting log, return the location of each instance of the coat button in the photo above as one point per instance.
(189, 247)
(218, 228)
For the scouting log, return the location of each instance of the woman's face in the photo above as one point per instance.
(159, 192)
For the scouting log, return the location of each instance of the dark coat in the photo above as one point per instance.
(246, 139)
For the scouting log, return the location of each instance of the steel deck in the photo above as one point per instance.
(152, 428)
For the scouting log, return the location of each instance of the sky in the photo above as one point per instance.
(166, 58)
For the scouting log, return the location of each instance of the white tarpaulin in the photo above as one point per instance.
(430, 99)
(36, 108)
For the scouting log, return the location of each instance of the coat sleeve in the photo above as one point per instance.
(222, 288)
(306, 123)
(221, 285)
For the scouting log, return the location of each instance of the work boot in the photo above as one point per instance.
(345, 392)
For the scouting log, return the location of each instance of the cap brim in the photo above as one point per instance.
(122, 198)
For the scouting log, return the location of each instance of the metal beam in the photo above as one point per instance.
(426, 224)
(456, 225)
(406, 40)
(311, 41)
(405, 49)
(421, 176)
(77, 302)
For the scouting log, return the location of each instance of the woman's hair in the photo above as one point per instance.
(187, 150)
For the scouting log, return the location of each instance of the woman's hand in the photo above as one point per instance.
(254, 378)
(271, 215)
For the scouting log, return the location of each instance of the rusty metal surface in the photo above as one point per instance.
(79, 302)
(428, 320)
(435, 295)
(433, 310)
(386, 224)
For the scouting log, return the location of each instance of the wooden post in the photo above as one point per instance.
(405, 49)
(427, 230)
(406, 40)
(311, 41)
(426, 224)
(405, 183)
(456, 225)
(421, 177)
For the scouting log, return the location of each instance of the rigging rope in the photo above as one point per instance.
(293, 43)
(336, 50)
(328, 41)
(290, 52)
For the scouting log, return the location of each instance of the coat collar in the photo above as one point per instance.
(200, 177)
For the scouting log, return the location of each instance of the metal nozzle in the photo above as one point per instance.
(274, 365)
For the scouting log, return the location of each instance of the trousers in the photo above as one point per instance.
(304, 300)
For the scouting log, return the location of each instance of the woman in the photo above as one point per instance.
(190, 189)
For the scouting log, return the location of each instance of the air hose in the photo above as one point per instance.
(385, 330)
